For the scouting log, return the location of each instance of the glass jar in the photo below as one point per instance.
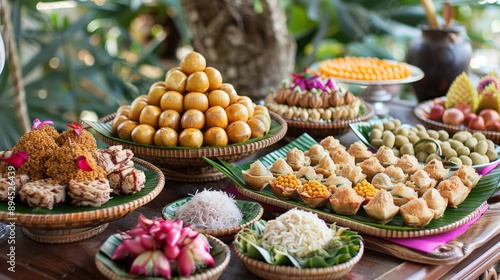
(442, 54)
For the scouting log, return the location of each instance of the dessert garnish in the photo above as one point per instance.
(83, 164)
(38, 124)
(309, 80)
(16, 159)
(77, 127)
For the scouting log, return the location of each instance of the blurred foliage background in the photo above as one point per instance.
(83, 59)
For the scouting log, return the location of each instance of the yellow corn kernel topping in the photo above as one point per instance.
(365, 189)
(315, 188)
(288, 181)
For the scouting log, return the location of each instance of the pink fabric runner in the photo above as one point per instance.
(428, 243)
(425, 244)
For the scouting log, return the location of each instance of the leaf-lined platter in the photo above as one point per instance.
(252, 211)
(362, 131)
(452, 219)
(67, 216)
(118, 270)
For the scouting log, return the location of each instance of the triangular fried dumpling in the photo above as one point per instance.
(416, 213)
(436, 202)
(381, 207)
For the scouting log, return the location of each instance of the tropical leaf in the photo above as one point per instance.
(484, 189)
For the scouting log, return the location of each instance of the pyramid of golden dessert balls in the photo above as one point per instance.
(191, 108)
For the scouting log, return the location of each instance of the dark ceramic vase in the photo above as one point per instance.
(442, 54)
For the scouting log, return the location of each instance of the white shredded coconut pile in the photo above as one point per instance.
(300, 232)
(210, 210)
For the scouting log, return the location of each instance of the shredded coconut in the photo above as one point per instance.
(299, 231)
(210, 210)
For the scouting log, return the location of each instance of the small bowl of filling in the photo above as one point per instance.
(214, 213)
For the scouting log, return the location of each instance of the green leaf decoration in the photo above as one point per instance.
(248, 241)
(483, 190)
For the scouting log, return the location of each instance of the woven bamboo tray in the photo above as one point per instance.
(108, 268)
(422, 112)
(68, 223)
(252, 212)
(320, 130)
(279, 272)
(187, 165)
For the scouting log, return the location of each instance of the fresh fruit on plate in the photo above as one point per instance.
(476, 108)
(191, 104)
(462, 90)
(310, 98)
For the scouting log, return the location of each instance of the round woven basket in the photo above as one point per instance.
(79, 225)
(320, 130)
(206, 274)
(280, 272)
(187, 164)
(422, 112)
(226, 235)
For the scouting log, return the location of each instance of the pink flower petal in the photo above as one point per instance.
(83, 164)
(16, 159)
(38, 124)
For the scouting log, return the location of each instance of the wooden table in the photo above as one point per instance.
(76, 260)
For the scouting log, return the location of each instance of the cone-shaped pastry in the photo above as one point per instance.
(257, 177)
(421, 182)
(345, 201)
(403, 194)
(468, 175)
(416, 213)
(333, 182)
(307, 173)
(353, 173)
(359, 151)
(315, 153)
(436, 202)
(385, 156)
(296, 159)
(436, 170)
(454, 190)
(396, 174)
(382, 181)
(409, 164)
(381, 207)
(342, 158)
(326, 166)
(280, 167)
(371, 167)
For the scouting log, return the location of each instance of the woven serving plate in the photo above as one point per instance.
(117, 271)
(186, 164)
(319, 130)
(452, 219)
(68, 223)
(280, 272)
(363, 129)
(252, 211)
(423, 110)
